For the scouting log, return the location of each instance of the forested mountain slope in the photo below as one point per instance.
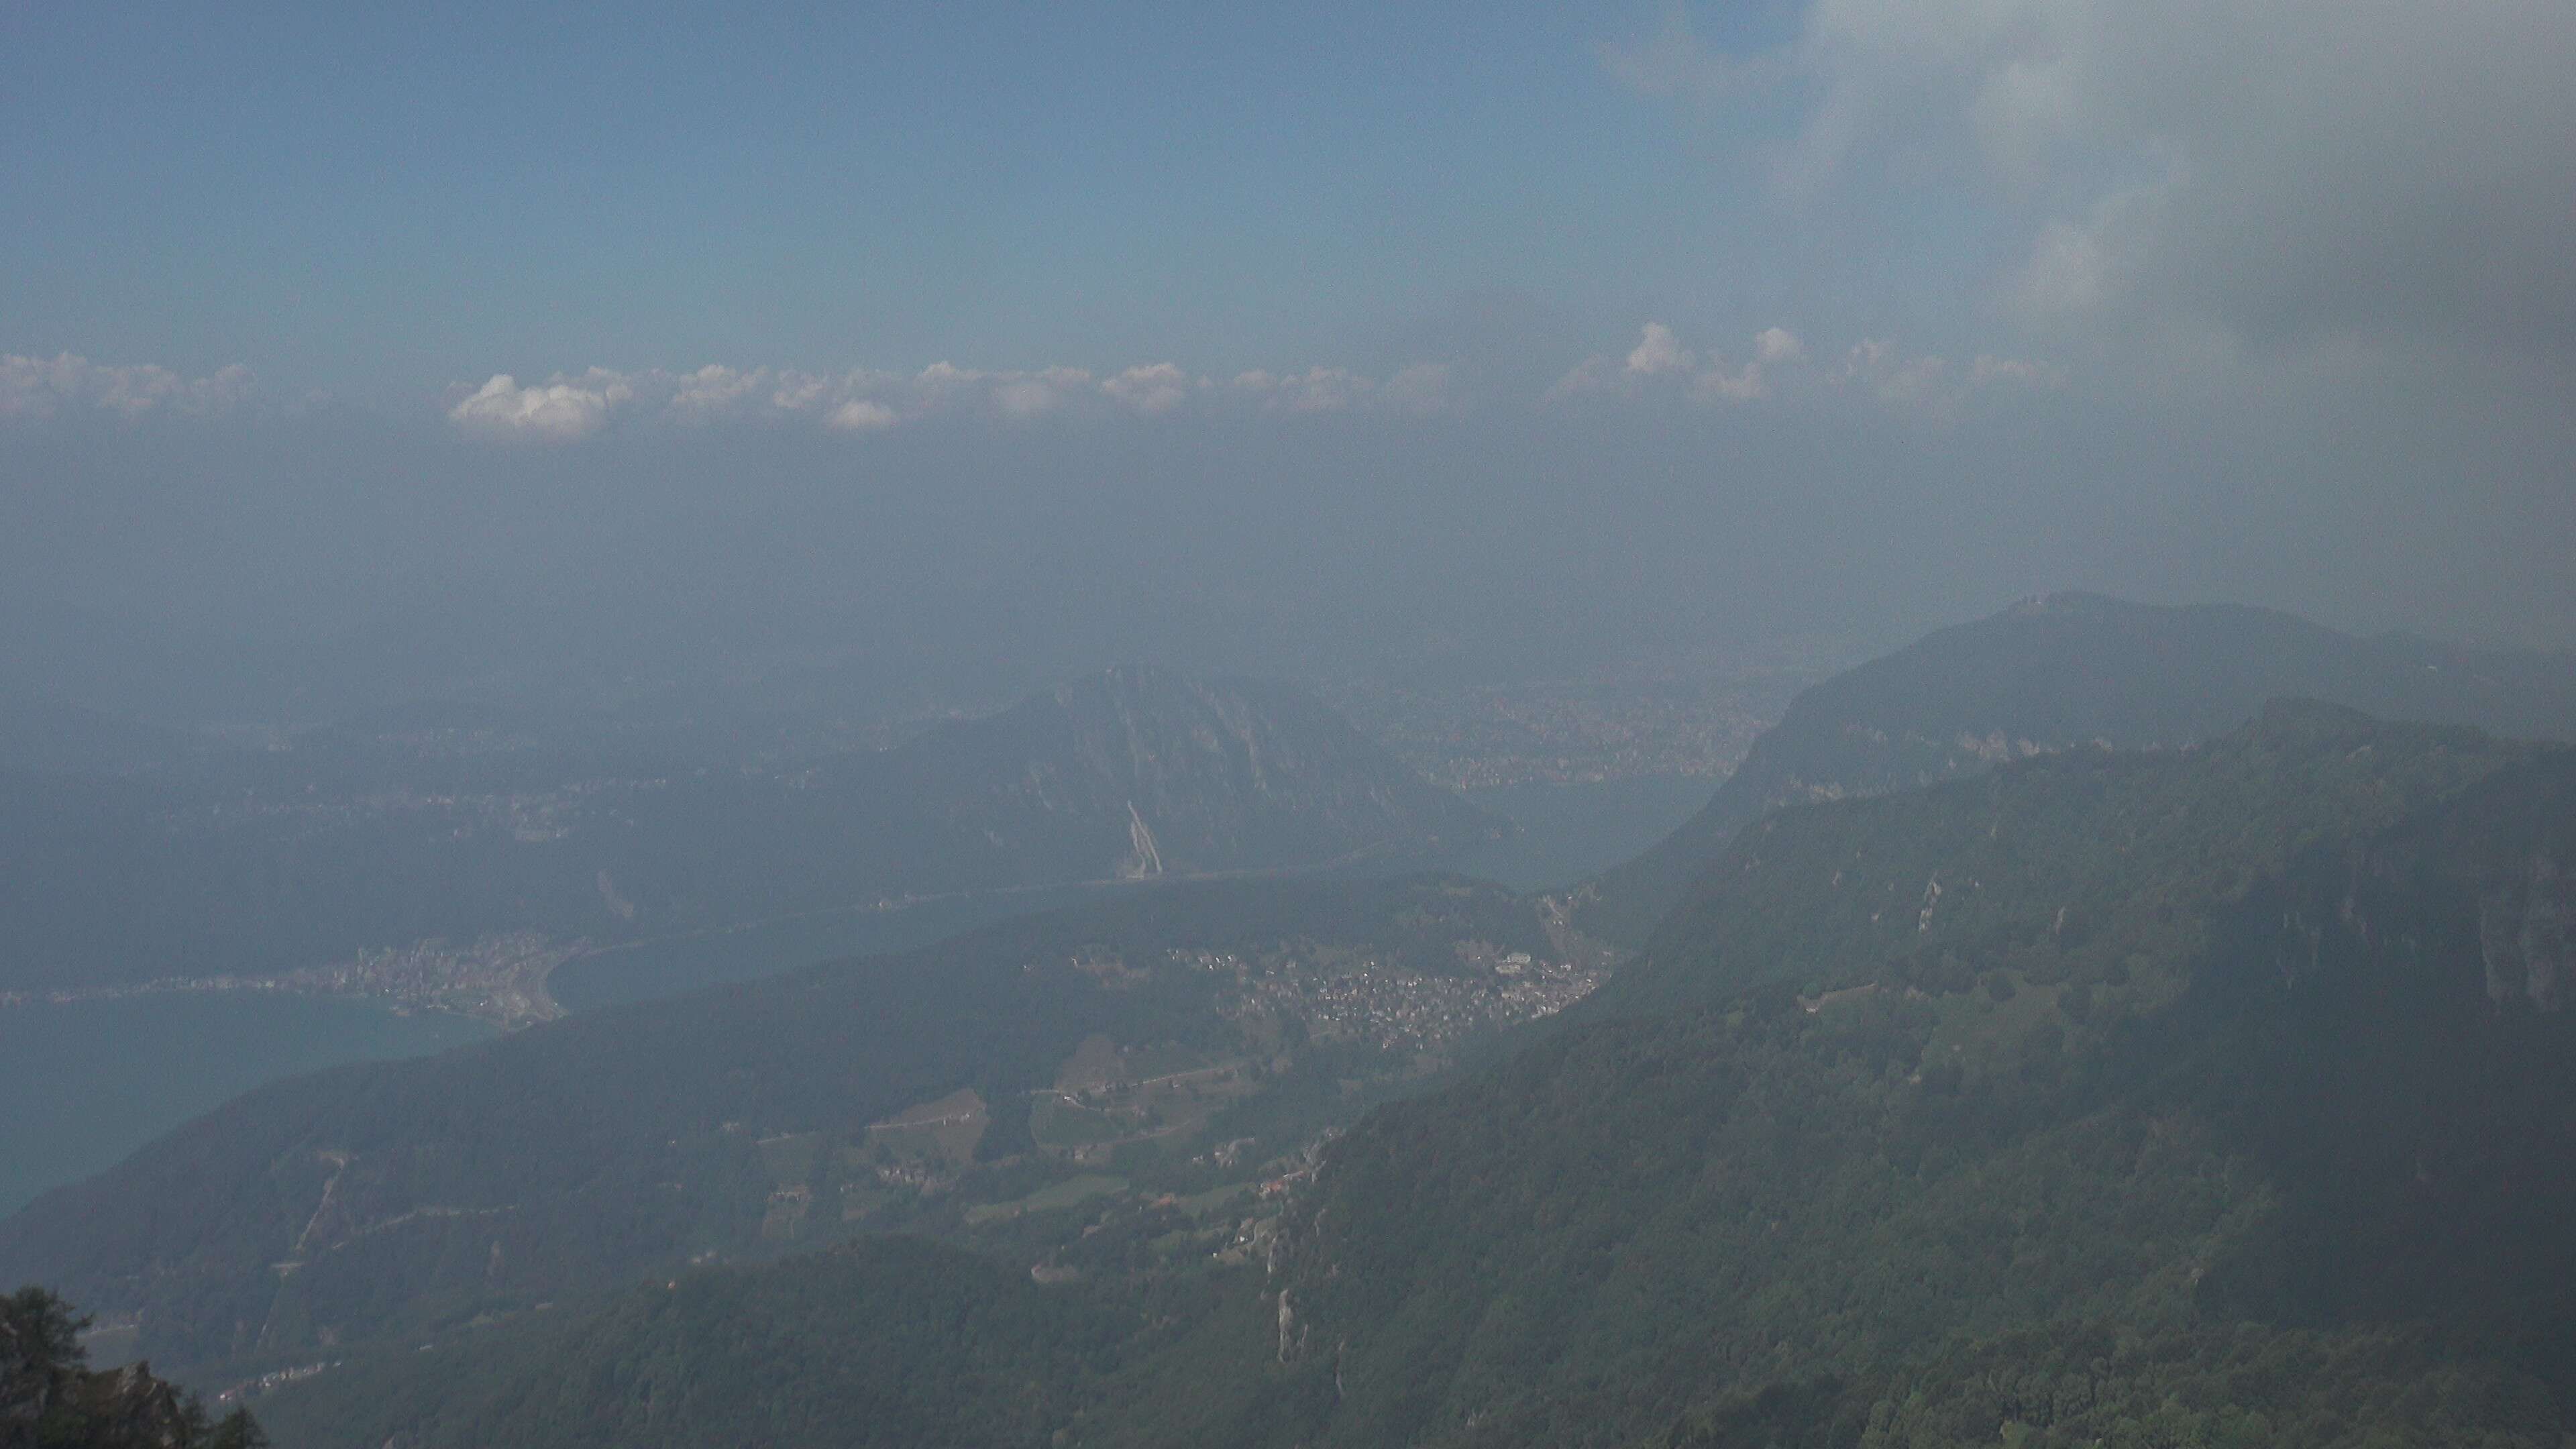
(2217, 1098)
(2073, 669)
(891, 1342)
(2302, 1069)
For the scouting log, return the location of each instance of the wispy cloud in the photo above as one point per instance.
(2310, 173)
(1153, 389)
(568, 407)
(859, 415)
(1674, 63)
(1935, 385)
(1661, 366)
(36, 388)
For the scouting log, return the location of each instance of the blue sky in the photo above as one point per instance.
(1690, 320)
(379, 198)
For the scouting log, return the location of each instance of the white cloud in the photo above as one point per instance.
(1933, 385)
(2284, 171)
(1660, 366)
(35, 388)
(1659, 361)
(1745, 384)
(1986, 370)
(1316, 390)
(797, 391)
(1675, 64)
(1419, 390)
(1591, 375)
(1023, 396)
(715, 391)
(1774, 345)
(558, 411)
(1422, 389)
(1026, 397)
(1868, 356)
(947, 376)
(859, 415)
(567, 408)
(1152, 389)
(1658, 351)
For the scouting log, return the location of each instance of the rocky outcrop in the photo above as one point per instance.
(49, 1396)
(2527, 935)
(2472, 898)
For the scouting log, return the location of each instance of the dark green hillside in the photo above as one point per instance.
(888, 1342)
(755, 1120)
(2067, 670)
(2315, 1084)
(2079, 869)
(2099, 1383)
(892, 1341)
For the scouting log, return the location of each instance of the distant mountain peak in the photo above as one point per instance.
(1139, 770)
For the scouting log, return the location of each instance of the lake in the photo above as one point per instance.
(1569, 832)
(89, 1082)
(676, 964)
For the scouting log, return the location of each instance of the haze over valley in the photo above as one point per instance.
(1836, 724)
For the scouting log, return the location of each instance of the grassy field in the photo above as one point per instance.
(1071, 1192)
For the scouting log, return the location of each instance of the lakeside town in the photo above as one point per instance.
(499, 978)
(1360, 999)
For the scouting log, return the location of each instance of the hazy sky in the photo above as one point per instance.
(1270, 337)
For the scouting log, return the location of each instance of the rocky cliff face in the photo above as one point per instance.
(2399, 1053)
(2471, 898)
(49, 1397)
(2527, 934)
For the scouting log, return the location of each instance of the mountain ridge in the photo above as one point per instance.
(2238, 1104)
(2066, 669)
(404, 833)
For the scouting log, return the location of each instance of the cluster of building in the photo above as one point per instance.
(1405, 1011)
(500, 978)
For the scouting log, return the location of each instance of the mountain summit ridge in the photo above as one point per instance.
(1190, 775)
(376, 838)
(2058, 670)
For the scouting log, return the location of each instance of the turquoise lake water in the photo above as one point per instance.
(89, 1082)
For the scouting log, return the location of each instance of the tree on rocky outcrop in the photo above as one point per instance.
(51, 1399)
